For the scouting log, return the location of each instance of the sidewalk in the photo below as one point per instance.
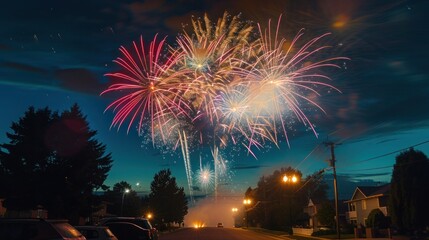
(321, 238)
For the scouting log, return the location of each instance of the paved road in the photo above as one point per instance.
(212, 233)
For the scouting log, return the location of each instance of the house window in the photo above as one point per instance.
(352, 207)
(363, 204)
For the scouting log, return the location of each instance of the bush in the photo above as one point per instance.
(377, 220)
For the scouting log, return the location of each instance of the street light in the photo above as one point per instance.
(123, 196)
(149, 216)
(234, 215)
(246, 202)
(290, 179)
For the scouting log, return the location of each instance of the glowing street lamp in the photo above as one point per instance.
(149, 216)
(247, 201)
(126, 190)
(234, 215)
(290, 178)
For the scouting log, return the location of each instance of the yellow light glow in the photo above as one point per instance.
(290, 179)
(341, 21)
(294, 179)
(285, 178)
(198, 224)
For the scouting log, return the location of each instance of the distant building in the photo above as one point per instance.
(366, 199)
(313, 207)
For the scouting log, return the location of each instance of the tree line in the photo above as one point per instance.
(53, 161)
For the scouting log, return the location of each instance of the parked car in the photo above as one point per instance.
(96, 232)
(142, 222)
(220, 225)
(36, 228)
(128, 231)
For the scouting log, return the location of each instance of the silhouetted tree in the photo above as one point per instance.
(326, 215)
(409, 190)
(53, 160)
(315, 187)
(123, 203)
(277, 205)
(166, 199)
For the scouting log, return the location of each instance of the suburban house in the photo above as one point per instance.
(314, 224)
(311, 210)
(364, 200)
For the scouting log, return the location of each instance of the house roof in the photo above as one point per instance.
(375, 190)
(370, 191)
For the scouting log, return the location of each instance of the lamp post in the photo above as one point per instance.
(234, 215)
(290, 179)
(247, 202)
(123, 196)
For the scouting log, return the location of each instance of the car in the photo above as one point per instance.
(128, 231)
(139, 221)
(96, 232)
(220, 225)
(37, 228)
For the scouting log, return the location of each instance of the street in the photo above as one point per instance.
(212, 233)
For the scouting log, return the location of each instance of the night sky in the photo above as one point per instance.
(55, 54)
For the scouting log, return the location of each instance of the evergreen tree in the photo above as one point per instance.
(53, 160)
(409, 189)
(25, 160)
(166, 199)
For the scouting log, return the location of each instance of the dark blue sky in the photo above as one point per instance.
(55, 53)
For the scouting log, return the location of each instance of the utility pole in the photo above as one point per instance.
(332, 163)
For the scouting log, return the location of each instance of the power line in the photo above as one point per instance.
(314, 149)
(386, 154)
(369, 169)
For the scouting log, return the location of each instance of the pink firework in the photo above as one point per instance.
(150, 86)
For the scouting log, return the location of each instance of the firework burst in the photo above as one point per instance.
(222, 82)
(205, 176)
(150, 86)
(279, 81)
(207, 52)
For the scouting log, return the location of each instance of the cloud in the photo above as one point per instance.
(347, 183)
(79, 80)
(245, 167)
